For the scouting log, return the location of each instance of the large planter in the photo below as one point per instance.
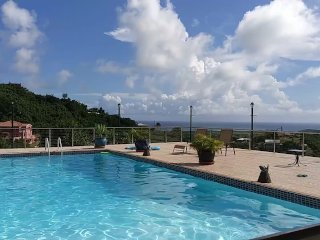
(141, 145)
(206, 157)
(100, 142)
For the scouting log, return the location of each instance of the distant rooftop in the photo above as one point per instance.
(8, 124)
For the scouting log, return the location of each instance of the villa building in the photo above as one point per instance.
(20, 131)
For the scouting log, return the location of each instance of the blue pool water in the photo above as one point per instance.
(104, 196)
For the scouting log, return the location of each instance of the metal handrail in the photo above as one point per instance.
(59, 144)
(47, 145)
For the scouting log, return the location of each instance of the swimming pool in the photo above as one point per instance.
(105, 196)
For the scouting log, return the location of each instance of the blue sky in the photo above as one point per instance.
(157, 58)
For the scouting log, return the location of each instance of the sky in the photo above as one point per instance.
(158, 58)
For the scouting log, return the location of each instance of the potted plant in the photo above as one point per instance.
(100, 140)
(206, 147)
(140, 140)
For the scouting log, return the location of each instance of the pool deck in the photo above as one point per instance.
(244, 165)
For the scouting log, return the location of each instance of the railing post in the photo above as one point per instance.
(181, 134)
(165, 136)
(50, 136)
(113, 135)
(149, 135)
(274, 142)
(132, 135)
(302, 145)
(72, 137)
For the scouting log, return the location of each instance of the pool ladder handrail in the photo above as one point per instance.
(59, 145)
(47, 145)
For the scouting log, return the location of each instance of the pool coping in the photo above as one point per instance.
(251, 186)
(44, 153)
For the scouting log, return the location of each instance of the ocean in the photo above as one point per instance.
(293, 127)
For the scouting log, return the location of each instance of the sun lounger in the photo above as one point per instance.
(180, 147)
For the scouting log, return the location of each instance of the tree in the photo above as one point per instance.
(50, 111)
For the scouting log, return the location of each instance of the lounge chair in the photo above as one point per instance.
(182, 148)
(226, 138)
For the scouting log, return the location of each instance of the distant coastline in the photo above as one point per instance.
(295, 127)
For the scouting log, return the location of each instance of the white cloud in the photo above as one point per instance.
(159, 36)
(181, 70)
(105, 67)
(63, 76)
(310, 73)
(195, 22)
(283, 28)
(26, 61)
(111, 98)
(22, 34)
(130, 81)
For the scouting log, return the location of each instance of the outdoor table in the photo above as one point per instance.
(297, 152)
(271, 142)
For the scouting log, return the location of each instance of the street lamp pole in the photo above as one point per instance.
(251, 133)
(190, 130)
(119, 105)
(12, 131)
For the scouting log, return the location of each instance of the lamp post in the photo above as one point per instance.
(12, 131)
(119, 105)
(251, 133)
(190, 130)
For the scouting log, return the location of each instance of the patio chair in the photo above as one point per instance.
(203, 131)
(226, 138)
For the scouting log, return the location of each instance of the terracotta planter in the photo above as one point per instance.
(100, 142)
(206, 157)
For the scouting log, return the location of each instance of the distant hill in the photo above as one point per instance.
(310, 130)
(50, 111)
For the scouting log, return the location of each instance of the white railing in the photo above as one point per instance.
(270, 140)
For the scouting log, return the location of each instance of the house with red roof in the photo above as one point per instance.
(20, 130)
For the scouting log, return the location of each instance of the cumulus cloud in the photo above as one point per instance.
(181, 70)
(159, 36)
(22, 34)
(283, 28)
(64, 76)
(26, 61)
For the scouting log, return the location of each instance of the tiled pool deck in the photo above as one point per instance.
(241, 170)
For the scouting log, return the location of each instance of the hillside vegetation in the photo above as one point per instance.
(50, 111)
